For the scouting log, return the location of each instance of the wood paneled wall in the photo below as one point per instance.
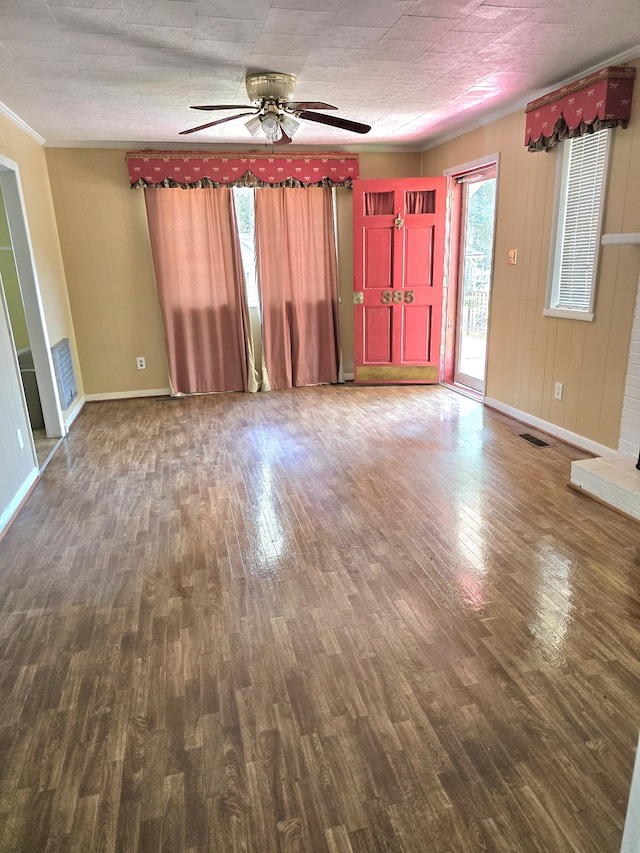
(528, 352)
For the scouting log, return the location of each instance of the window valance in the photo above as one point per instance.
(194, 169)
(597, 101)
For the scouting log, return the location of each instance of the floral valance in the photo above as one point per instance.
(195, 169)
(597, 101)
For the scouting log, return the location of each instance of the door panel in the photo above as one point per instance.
(416, 338)
(398, 273)
(418, 252)
(378, 253)
(378, 334)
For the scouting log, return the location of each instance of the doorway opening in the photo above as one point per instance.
(472, 240)
(19, 330)
(24, 314)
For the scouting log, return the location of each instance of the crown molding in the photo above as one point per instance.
(374, 148)
(521, 103)
(7, 113)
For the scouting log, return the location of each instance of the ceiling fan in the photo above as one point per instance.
(273, 110)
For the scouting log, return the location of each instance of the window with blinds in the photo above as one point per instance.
(579, 226)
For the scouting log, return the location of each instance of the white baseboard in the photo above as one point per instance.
(552, 429)
(127, 395)
(348, 377)
(73, 414)
(20, 495)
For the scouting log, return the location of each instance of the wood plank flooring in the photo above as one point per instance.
(332, 620)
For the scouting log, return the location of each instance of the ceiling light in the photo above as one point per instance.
(271, 127)
(288, 124)
(254, 125)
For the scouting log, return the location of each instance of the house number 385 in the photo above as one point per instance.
(397, 296)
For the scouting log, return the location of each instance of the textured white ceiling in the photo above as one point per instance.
(125, 71)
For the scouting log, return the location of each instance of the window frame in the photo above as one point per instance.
(249, 267)
(560, 202)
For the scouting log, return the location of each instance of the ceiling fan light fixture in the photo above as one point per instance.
(254, 125)
(273, 110)
(271, 127)
(274, 136)
(270, 85)
(288, 124)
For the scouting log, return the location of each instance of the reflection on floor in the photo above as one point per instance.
(321, 619)
(45, 447)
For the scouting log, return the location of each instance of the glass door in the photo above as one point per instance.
(474, 277)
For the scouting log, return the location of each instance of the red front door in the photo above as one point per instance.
(398, 274)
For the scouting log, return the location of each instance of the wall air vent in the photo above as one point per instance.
(65, 377)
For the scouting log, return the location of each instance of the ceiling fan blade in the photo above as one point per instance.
(211, 123)
(285, 139)
(223, 107)
(334, 121)
(308, 105)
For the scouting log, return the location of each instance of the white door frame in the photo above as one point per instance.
(31, 298)
(491, 160)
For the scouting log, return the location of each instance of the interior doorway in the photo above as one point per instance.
(472, 244)
(18, 325)
(24, 313)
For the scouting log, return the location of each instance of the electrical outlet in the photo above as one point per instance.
(513, 257)
(141, 362)
(20, 439)
(558, 390)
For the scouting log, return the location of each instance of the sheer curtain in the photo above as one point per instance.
(297, 277)
(196, 255)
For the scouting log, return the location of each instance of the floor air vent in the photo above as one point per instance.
(65, 377)
(533, 440)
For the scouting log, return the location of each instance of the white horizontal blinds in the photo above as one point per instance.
(580, 228)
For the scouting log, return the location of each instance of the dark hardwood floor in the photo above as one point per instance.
(329, 620)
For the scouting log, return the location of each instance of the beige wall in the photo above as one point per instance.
(16, 466)
(30, 157)
(528, 352)
(105, 244)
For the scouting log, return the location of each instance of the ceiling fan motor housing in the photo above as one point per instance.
(270, 86)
